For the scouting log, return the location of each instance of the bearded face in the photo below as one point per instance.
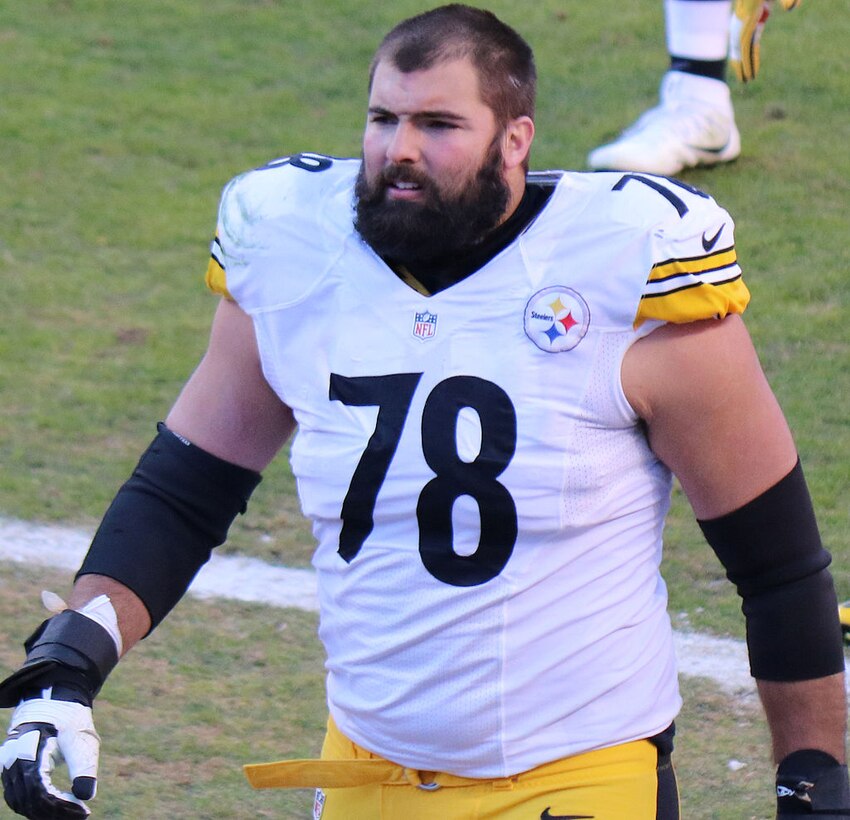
(447, 216)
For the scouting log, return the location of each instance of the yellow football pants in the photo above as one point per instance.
(626, 782)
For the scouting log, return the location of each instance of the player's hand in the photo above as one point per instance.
(748, 21)
(42, 733)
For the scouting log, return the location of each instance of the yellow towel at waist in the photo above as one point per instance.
(326, 774)
(364, 767)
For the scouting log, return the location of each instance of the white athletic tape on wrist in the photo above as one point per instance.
(101, 611)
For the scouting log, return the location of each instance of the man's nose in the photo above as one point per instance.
(404, 145)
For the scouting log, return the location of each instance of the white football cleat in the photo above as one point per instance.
(693, 124)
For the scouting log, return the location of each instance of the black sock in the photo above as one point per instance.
(713, 69)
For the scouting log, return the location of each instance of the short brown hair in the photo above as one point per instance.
(505, 62)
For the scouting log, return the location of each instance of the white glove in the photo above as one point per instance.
(747, 24)
(42, 733)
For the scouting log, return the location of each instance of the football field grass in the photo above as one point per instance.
(120, 123)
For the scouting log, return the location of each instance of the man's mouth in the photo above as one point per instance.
(402, 189)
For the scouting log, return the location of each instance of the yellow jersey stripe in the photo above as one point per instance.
(719, 261)
(692, 302)
(216, 277)
(694, 288)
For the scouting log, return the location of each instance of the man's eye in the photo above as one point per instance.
(444, 125)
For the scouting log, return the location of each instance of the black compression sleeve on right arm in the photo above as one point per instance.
(159, 531)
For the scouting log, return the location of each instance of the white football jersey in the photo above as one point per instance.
(487, 511)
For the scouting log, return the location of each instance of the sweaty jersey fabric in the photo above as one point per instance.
(487, 510)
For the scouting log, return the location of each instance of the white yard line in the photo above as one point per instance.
(722, 660)
(224, 576)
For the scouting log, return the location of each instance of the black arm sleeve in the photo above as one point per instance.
(772, 552)
(162, 525)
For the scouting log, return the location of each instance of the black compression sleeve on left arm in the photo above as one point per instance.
(159, 531)
(772, 552)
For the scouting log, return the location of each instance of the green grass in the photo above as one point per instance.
(219, 686)
(120, 123)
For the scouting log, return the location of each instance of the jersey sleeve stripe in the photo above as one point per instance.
(675, 275)
(695, 264)
(694, 288)
(687, 282)
(695, 301)
(217, 252)
(216, 277)
(679, 281)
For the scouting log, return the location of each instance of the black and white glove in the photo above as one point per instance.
(814, 784)
(43, 732)
(68, 659)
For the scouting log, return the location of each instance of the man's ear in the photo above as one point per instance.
(518, 136)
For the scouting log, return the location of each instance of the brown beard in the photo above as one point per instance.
(415, 233)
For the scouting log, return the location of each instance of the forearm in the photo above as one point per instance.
(809, 714)
(133, 619)
(162, 526)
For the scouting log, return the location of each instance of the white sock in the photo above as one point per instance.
(698, 29)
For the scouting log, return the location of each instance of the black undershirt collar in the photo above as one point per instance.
(444, 272)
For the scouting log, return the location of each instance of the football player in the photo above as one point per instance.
(494, 375)
(694, 122)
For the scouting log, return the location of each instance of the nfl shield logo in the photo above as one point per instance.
(425, 325)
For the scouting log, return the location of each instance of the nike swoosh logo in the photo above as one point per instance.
(708, 149)
(547, 816)
(708, 244)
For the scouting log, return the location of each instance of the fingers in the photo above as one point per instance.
(81, 750)
(44, 733)
(84, 787)
(24, 797)
(28, 759)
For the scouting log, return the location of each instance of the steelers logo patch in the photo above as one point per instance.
(556, 319)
